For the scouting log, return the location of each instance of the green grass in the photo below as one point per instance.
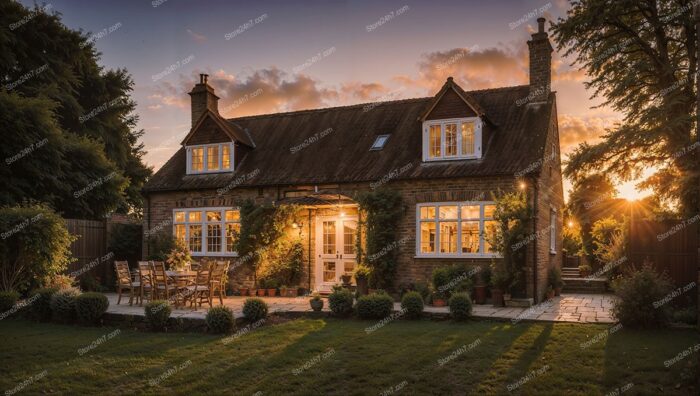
(360, 363)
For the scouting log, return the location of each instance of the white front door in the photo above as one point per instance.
(335, 250)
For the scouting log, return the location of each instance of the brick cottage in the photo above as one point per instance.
(446, 155)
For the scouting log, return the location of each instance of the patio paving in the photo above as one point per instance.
(576, 308)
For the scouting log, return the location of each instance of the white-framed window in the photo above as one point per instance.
(210, 158)
(208, 231)
(451, 139)
(455, 229)
(553, 231)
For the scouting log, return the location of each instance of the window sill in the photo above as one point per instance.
(210, 172)
(457, 256)
(200, 254)
(471, 157)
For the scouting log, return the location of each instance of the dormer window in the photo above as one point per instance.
(210, 158)
(452, 139)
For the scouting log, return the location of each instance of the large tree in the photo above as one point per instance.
(90, 123)
(641, 58)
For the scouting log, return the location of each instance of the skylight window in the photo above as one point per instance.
(379, 142)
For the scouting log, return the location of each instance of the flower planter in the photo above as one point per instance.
(557, 291)
(316, 305)
(361, 285)
(480, 294)
(291, 293)
(439, 302)
(261, 292)
(243, 291)
(271, 292)
(497, 297)
(283, 292)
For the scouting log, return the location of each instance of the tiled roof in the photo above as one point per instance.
(332, 145)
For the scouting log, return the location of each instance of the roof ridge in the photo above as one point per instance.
(376, 103)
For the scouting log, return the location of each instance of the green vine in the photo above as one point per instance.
(512, 215)
(383, 210)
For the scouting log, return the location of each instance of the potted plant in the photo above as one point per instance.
(483, 277)
(439, 299)
(345, 279)
(362, 278)
(555, 279)
(271, 287)
(499, 283)
(243, 291)
(179, 257)
(550, 292)
(316, 303)
(261, 288)
(584, 270)
(291, 292)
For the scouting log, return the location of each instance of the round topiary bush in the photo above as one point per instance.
(40, 304)
(63, 305)
(90, 307)
(460, 306)
(412, 302)
(254, 309)
(375, 306)
(157, 314)
(8, 299)
(340, 302)
(220, 319)
(643, 297)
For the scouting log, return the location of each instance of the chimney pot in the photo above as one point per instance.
(540, 25)
(206, 78)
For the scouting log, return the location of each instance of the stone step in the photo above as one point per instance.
(584, 285)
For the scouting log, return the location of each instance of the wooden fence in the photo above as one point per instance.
(91, 248)
(670, 246)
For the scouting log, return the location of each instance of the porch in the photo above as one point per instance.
(575, 308)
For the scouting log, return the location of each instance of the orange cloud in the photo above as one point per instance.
(574, 130)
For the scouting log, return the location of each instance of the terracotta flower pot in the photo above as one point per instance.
(480, 294)
(261, 292)
(439, 302)
(557, 291)
(271, 292)
(291, 293)
(243, 291)
(497, 297)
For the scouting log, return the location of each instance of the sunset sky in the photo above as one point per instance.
(321, 53)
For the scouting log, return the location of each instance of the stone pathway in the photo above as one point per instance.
(576, 308)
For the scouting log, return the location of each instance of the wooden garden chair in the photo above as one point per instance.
(146, 279)
(218, 279)
(162, 284)
(199, 291)
(124, 281)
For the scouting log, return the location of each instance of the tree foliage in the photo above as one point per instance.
(70, 137)
(590, 193)
(641, 58)
(34, 247)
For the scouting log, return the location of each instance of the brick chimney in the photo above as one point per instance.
(540, 64)
(203, 97)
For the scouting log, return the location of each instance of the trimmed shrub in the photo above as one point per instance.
(340, 302)
(90, 307)
(375, 306)
(641, 298)
(40, 308)
(460, 306)
(8, 299)
(254, 309)
(220, 319)
(686, 315)
(412, 302)
(157, 314)
(63, 305)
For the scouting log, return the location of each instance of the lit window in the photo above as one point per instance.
(459, 229)
(210, 231)
(197, 159)
(452, 139)
(379, 142)
(435, 141)
(225, 156)
(210, 158)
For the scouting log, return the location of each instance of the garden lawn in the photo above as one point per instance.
(328, 356)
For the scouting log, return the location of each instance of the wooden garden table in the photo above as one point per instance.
(181, 279)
